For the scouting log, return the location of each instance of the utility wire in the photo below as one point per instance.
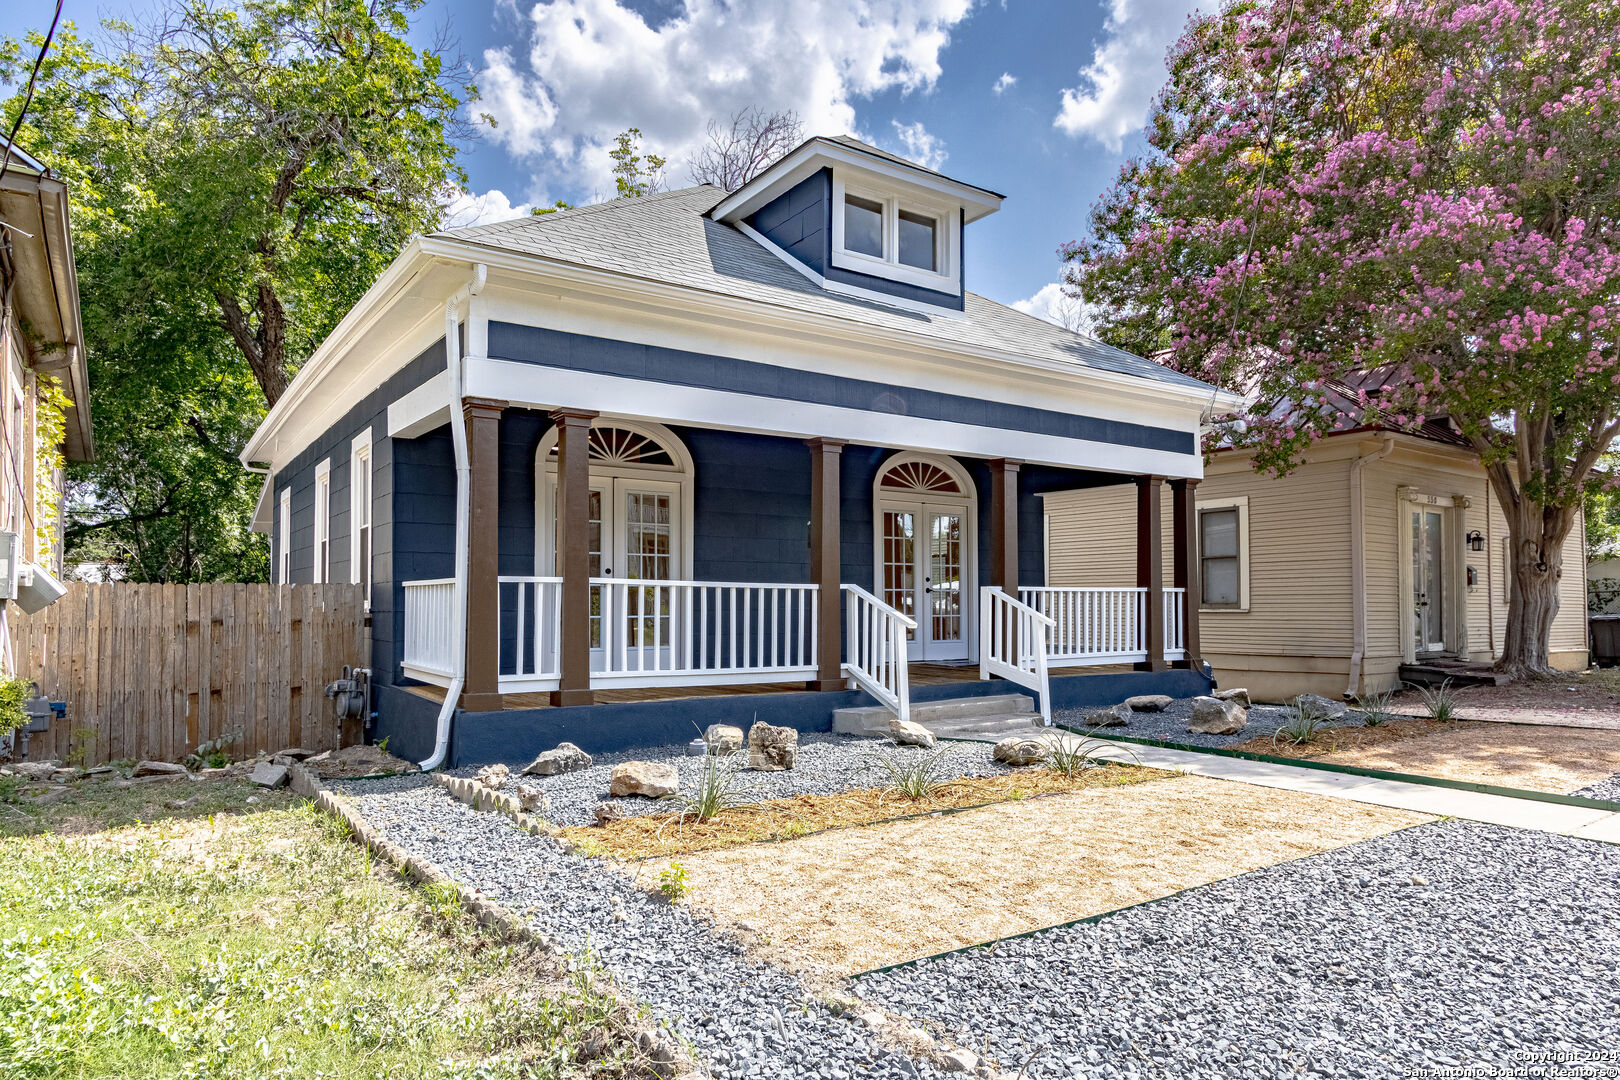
(28, 96)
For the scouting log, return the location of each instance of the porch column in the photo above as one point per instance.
(1004, 525)
(1184, 516)
(482, 690)
(1150, 566)
(574, 555)
(826, 571)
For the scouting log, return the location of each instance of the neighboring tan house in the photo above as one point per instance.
(594, 463)
(1603, 587)
(40, 340)
(1382, 550)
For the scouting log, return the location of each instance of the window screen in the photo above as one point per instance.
(1219, 556)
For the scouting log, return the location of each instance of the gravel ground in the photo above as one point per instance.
(826, 765)
(1171, 724)
(1443, 945)
(1603, 789)
(748, 1020)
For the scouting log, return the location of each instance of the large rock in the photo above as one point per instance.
(910, 733)
(158, 768)
(1016, 750)
(772, 748)
(723, 739)
(1318, 707)
(1238, 694)
(34, 770)
(1113, 716)
(269, 774)
(1211, 716)
(532, 799)
(566, 758)
(649, 778)
(494, 776)
(1148, 702)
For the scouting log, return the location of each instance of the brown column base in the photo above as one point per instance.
(563, 698)
(820, 686)
(482, 702)
(1152, 665)
(1182, 664)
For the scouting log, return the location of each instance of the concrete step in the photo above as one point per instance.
(874, 719)
(991, 728)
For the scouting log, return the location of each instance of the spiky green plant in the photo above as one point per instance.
(917, 779)
(1072, 754)
(1302, 727)
(1375, 709)
(721, 787)
(1441, 701)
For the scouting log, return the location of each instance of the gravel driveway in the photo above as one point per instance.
(1442, 945)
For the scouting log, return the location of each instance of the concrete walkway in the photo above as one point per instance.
(1583, 822)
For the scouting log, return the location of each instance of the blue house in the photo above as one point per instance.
(615, 473)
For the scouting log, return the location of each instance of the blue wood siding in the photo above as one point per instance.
(799, 221)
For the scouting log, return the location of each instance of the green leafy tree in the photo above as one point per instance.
(240, 175)
(635, 173)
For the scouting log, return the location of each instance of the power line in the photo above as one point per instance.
(28, 96)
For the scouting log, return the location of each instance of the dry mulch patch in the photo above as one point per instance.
(1581, 698)
(663, 835)
(1533, 758)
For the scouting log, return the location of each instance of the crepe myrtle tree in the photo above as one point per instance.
(1428, 191)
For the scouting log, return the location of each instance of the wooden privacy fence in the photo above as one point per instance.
(152, 671)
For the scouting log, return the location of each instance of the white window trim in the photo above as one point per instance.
(284, 544)
(320, 568)
(1240, 503)
(947, 239)
(360, 453)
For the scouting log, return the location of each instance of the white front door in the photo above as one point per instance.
(634, 533)
(925, 570)
(1428, 580)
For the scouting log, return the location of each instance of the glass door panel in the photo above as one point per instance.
(900, 563)
(944, 578)
(648, 554)
(1428, 581)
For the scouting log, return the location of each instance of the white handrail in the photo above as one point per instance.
(1014, 639)
(705, 631)
(875, 649)
(1106, 625)
(1175, 623)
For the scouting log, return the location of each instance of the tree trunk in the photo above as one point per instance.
(1536, 536)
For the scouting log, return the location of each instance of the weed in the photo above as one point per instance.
(211, 754)
(720, 788)
(1303, 726)
(796, 828)
(673, 884)
(916, 779)
(443, 899)
(382, 744)
(1441, 701)
(1375, 709)
(1071, 754)
(590, 849)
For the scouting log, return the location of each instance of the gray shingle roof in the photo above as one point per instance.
(668, 239)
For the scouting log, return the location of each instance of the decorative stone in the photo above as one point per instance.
(297, 753)
(34, 770)
(722, 739)
(1113, 716)
(100, 772)
(1237, 693)
(1148, 702)
(959, 1061)
(1212, 716)
(1015, 750)
(324, 755)
(772, 748)
(158, 768)
(566, 758)
(270, 775)
(1318, 707)
(607, 813)
(222, 773)
(494, 776)
(910, 733)
(531, 798)
(651, 779)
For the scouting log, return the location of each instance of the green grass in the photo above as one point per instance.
(264, 943)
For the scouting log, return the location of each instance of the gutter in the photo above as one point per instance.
(456, 368)
(1358, 564)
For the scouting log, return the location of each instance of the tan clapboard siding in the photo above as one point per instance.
(1093, 537)
(151, 671)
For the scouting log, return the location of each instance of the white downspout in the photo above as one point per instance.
(1358, 564)
(456, 370)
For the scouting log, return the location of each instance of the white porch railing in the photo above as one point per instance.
(531, 610)
(875, 649)
(1106, 626)
(1014, 640)
(701, 633)
(430, 608)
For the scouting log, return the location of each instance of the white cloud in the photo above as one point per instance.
(589, 69)
(1004, 83)
(1126, 70)
(463, 208)
(919, 146)
(1051, 303)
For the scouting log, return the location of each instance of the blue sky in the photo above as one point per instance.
(1037, 99)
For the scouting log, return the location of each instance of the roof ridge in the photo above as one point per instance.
(572, 213)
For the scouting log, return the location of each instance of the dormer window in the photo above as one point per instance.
(900, 237)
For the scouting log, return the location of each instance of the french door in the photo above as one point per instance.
(633, 528)
(925, 569)
(1428, 581)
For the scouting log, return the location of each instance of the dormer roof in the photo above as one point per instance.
(878, 167)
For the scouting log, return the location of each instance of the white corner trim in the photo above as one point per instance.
(420, 410)
(843, 289)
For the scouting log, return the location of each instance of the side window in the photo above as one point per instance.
(284, 540)
(1220, 557)
(323, 523)
(360, 513)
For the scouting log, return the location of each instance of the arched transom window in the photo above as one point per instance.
(622, 446)
(920, 477)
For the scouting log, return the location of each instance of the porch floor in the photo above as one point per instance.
(921, 675)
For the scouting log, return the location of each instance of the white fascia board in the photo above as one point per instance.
(421, 410)
(560, 278)
(817, 154)
(536, 386)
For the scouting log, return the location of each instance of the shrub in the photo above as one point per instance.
(1375, 709)
(14, 693)
(1303, 726)
(916, 779)
(1441, 701)
(673, 883)
(720, 788)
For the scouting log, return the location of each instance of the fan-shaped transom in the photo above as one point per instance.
(621, 446)
(923, 477)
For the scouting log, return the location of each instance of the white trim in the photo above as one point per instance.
(321, 564)
(947, 238)
(535, 386)
(421, 410)
(844, 288)
(360, 510)
(921, 504)
(284, 546)
(1240, 503)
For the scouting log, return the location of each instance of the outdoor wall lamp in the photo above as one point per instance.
(1476, 541)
